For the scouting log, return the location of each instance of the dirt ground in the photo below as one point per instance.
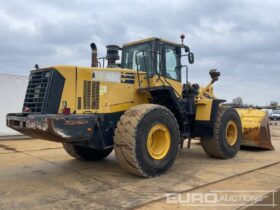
(37, 174)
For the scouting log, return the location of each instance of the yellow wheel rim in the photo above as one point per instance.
(158, 141)
(231, 133)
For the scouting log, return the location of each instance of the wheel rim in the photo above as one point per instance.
(231, 133)
(158, 141)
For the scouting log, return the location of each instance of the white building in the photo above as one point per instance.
(12, 93)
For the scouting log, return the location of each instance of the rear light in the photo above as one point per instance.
(64, 104)
(66, 111)
(26, 109)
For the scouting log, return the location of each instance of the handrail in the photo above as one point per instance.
(137, 70)
(136, 60)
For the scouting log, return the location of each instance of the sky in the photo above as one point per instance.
(239, 38)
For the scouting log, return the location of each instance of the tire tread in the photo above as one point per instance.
(125, 134)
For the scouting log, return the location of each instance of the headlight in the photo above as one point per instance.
(48, 74)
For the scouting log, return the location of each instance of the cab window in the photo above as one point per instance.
(138, 57)
(172, 62)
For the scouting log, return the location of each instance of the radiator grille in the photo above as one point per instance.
(95, 95)
(79, 102)
(87, 86)
(91, 95)
(37, 90)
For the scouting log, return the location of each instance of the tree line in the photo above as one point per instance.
(238, 102)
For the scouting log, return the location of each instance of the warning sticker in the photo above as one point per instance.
(103, 90)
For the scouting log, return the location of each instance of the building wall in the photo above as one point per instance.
(12, 92)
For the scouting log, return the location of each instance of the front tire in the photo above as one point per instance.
(146, 140)
(85, 153)
(227, 135)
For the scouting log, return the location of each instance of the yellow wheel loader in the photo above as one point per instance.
(137, 107)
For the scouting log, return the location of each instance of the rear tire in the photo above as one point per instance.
(227, 135)
(85, 153)
(146, 140)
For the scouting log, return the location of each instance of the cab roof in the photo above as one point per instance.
(150, 39)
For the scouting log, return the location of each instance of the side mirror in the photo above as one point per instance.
(191, 57)
(187, 49)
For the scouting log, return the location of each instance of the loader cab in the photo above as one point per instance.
(153, 56)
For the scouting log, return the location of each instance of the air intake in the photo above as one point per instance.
(91, 95)
(112, 55)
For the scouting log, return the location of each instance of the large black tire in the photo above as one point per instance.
(218, 146)
(131, 139)
(85, 153)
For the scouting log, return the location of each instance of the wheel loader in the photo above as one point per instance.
(138, 107)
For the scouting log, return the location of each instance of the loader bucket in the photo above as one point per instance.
(255, 128)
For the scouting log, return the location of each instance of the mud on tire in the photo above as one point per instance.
(217, 145)
(130, 140)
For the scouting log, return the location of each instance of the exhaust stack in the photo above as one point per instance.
(94, 61)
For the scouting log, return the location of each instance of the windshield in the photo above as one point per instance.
(165, 61)
(138, 57)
